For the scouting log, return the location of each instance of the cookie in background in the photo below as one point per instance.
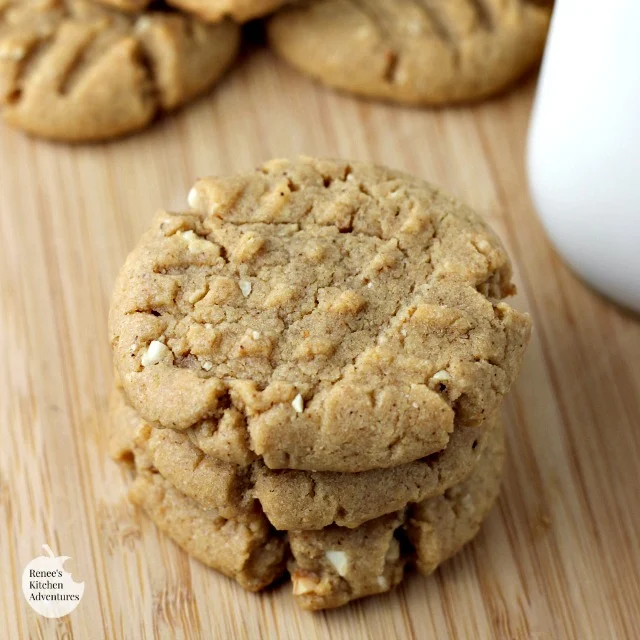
(74, 71)
(422, 53)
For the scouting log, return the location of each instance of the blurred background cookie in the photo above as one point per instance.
(426, 52)
(74, 71)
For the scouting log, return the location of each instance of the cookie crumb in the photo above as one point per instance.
(339, 560)
(245, 287)
(155, 353)
(298, 404)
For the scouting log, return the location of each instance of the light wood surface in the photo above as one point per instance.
(559, 556)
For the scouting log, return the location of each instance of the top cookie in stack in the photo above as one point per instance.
(335, 317)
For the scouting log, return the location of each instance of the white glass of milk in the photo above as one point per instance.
(584, 143)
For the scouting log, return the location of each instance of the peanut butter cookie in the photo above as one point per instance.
(74, 71)
(413, 51)
(343, 316)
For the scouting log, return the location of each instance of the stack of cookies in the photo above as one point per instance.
(310, 363)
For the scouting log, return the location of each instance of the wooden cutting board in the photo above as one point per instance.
(559, 556)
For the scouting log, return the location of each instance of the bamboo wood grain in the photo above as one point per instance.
(560, 554)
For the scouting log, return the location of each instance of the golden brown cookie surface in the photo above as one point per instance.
(74, 71)
(344, 315)
(413, 51)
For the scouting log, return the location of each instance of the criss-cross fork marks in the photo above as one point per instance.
(448, 21)
(54, 49)
(438, 15)
(376, 14)
(25, 51)
(441, 16)
(440, 22)
(79, 61)
(67, 50)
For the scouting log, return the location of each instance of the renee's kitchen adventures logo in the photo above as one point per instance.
(48, 588)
